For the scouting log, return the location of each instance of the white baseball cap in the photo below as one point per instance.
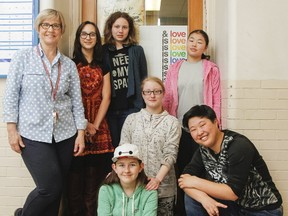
(126, 150)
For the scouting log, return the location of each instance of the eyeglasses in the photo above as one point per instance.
(129, 152)
(84, 35)
(155, 92)
(54, 26)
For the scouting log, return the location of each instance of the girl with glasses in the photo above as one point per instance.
(89, 170)
(157, 135)
(44, 114)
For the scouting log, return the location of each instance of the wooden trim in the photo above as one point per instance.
(89, 10)
(195, 14)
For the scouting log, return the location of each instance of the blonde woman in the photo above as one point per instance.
(44, 113)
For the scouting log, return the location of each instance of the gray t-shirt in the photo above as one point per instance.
(190, 87)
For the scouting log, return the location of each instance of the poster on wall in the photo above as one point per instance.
(135, 8)
(164, 47)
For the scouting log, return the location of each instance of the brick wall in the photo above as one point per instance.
(15, 180)
(259, 110)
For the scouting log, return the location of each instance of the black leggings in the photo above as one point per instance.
(48, 165)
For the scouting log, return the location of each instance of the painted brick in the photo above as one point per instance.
(15, 191)
(276, 144)
(274, 104)
(235, 93)
(283, 94)
(243, 124)
(277, 165)
(243, 104)
(274, 155)
(260, 134)
(8, 201)
(235, 114)
(274, 124)
(252, 93)
(3, 134)
(9, 162)
(274, 84)
(283, 186)
(2, 151)
(3, 171)
(12, 181)
(254, 84)
(268, 93)
(279, 175)
(282, 114)
(260, 114)
(282, 135)
(18, 172)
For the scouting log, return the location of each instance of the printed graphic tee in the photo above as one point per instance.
(119, 60)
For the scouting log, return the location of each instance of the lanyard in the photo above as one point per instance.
(54, 90)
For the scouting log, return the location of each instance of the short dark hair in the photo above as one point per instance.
(199, 111)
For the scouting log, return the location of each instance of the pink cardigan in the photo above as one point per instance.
(212, 88)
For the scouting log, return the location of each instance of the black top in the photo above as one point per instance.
(119, 60)
(240, 166)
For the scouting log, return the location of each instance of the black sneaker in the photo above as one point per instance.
(18, 212)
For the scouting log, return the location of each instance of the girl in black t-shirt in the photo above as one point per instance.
(127, 65)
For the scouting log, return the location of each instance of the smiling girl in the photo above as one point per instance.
(89, 170)
(191, 82)
(123, 192)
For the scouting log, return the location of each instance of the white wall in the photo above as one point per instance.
(254, 32)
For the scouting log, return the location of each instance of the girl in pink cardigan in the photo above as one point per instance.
(192, 82)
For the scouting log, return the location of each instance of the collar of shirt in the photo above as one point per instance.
(42, 54)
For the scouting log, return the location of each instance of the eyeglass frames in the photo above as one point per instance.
(84, 35)
(155, 92)
(55, 26)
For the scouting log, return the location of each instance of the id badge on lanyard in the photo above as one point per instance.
(55, 117)
(55, 114)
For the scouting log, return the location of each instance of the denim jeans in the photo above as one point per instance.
(275, 212)
(115, 121)
(194, 208)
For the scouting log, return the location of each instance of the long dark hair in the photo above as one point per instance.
(131, 38)
(78, 56)
(206, 38)
(112, 178)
